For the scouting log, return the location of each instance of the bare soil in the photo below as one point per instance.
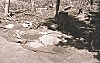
(13, 52)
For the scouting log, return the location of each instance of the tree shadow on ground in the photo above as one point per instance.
(97, 56)
(83, 33)
(70, 25)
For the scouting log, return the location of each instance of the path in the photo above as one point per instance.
(14, 53)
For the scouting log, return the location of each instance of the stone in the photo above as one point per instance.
(9, 26)
(49, 40)
(27, 24)
(54, 26)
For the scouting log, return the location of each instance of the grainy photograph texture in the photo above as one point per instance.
(49, 31)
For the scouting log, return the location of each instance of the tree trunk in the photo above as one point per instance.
(33, 6)
(7, 4)
(57, 8)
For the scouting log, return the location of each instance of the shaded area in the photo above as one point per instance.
(83, 33)
(70, 25)
(86, 36)
(97, 56)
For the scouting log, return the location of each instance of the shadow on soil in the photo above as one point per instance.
(70, 25)
(97, 56)
(83, 33)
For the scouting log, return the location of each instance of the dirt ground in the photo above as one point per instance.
(12, 51)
